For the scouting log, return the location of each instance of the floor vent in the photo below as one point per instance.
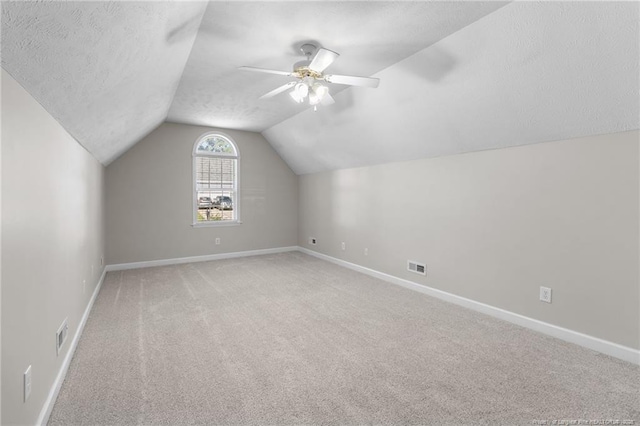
(418, 268)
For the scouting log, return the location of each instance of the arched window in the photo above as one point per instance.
(215, 180)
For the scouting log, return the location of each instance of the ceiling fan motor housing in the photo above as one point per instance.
(302, 67)
(301, 64)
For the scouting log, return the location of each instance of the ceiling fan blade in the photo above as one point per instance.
(278, 90)
(287, 73)
(352, 80)
(323, 59)
(327, 99)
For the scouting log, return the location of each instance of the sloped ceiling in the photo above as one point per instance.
(527, 73)
(369, 36)
(107, 71)
(455, 76)
(110, 72)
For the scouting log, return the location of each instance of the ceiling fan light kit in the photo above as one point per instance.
(308, 73)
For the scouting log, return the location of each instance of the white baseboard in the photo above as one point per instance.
(43, 418)
(191, 259)
(613, 349)
(594, 343)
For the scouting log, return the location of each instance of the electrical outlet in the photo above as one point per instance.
(366, 252)
(312, 241)
(27, 383)
(217, 241)
(545, 294)
(343, 245)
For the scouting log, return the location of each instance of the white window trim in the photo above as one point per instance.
(194, 191)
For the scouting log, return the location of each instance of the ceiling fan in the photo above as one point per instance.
(309, 77)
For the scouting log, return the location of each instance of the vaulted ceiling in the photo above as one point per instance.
(455, 76)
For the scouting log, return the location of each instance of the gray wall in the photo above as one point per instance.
(494, 226)
(149, 199)
(52, 235)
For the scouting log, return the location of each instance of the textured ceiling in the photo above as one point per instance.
(455, 76)
(529, 72)
(107, 71)
(110, 72)
(369, 36)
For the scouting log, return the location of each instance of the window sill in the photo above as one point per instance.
(215, 224)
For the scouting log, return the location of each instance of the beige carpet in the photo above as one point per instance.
(291, 339)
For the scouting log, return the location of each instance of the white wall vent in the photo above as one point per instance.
(418, 268)
(61, 335)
